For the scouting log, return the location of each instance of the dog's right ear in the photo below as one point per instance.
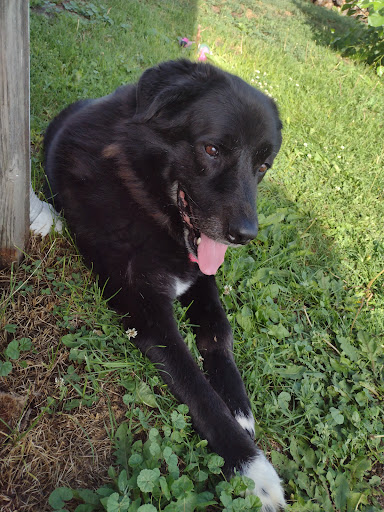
(172, 84)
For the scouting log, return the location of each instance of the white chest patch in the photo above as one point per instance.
(181, 286)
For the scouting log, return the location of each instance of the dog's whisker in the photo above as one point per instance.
(191, 200)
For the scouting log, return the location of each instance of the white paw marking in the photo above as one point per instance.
(181, 286)
(247, 422)
(42, 216)
(267, 483)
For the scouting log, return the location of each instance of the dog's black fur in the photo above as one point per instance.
(141, 175)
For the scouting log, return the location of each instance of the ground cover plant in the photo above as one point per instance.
(365, 42)
(87, 422)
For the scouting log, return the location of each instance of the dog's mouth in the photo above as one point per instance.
(207, 253)
(193, 233)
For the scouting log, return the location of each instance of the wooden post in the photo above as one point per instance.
(14, 129)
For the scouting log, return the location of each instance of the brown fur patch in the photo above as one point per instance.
(111, 151)
(140, 195)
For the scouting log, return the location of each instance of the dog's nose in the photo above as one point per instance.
(242, 232)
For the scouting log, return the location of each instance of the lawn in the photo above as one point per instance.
(86, 414)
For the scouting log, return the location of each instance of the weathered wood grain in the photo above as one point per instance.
(14, 129)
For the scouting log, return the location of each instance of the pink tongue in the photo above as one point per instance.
(210, 255)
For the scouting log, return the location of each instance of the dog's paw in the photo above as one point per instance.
(43, 217)
(267, 483)
(45, 220)
(246, 421)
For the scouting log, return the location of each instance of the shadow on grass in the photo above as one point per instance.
(344, 34)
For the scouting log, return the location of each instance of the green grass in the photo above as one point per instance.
(306, 299)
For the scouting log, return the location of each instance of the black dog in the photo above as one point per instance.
(156, 180)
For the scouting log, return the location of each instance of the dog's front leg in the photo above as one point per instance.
(215, 342)
(159, 339)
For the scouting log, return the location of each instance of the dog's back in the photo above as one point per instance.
(74, 123)
(54, 128)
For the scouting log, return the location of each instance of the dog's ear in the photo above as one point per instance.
(171, 84)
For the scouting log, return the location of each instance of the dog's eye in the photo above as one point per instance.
(263, 168)
(211, 150)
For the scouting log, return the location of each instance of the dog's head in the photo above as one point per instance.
(222, 136)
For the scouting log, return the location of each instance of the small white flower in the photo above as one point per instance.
(258, 72)
(305, 144)
(252, 80)
(342, 147)
(309, 155)
(227, 289)
(59, 381)
(290, 78)
(297, 85)
(338, 156)
(131, 333)
(337, 188)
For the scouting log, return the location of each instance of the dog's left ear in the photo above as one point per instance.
(171, 84)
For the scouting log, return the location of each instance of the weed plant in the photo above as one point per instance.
(365, 42)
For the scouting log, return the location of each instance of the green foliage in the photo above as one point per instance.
(365, 42)
(321, 372)
(16, 346)
(5, 368)
(89, 11)
(13, 350)
(148, 478)
(58, 498)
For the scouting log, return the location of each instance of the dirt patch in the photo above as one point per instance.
(338, 4)
(250, 14)
(43, 446)
(60, 450)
